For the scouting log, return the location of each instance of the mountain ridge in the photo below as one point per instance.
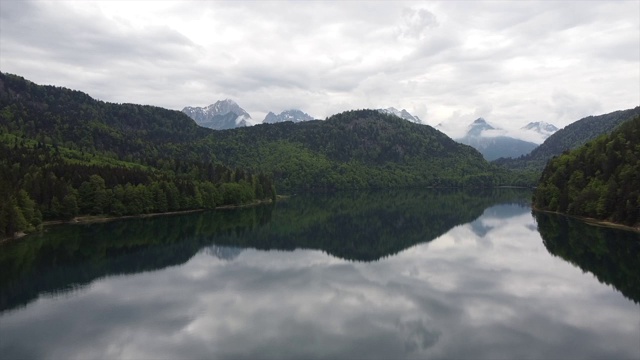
(293, 115)
(403, 114)
(570, 137)
(494, 147)
(353, 149)
(543, 128)
(221, 115)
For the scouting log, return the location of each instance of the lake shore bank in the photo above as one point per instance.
(593, 221)
(90, 219)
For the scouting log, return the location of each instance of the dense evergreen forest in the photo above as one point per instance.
(64, 154)
(356, 149)
(572, 136)
(600, 180)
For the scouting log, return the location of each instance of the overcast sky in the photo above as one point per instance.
(510, 62)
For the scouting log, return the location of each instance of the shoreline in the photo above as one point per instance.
(94, 219)
(592, 221)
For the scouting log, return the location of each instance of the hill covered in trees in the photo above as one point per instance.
(600, 180)
(354, 149)
(63, 153)
(570, 137)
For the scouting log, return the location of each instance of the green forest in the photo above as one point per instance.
(355, 150)
(599, 180)
(530, 166)
(64, 154)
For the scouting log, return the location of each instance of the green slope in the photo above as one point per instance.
(72, 119)
(601, 179)
(354, 149)
(570, 137)
(64, 154)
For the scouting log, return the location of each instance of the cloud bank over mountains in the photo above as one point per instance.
(445, 62)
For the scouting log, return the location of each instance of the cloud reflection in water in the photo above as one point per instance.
(494, 293)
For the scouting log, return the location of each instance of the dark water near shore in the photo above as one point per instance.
(385, 274)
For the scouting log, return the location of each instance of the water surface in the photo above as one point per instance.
(387, 274)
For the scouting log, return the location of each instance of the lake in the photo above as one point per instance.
(381, 275)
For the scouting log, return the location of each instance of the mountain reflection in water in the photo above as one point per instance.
(386, 274)
(358, 226)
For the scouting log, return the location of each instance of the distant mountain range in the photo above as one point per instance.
(353, 149)
(570, 137)
(403, 114)
(227, 114)
(293, 115)
(227, 253)
(543, 128)
(494, 147)
(223, 114)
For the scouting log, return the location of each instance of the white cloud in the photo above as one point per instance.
(443, 61)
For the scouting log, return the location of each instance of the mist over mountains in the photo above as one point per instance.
(543, 128)
(227, 114)
(493, 143)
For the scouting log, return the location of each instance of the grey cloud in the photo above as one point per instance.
(430, 301)
(447, 56)
(92, 54)
(417, 22)
(70, 38)
(568, 106)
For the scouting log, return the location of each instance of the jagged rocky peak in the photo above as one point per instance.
(478, 126)
(223, 114)
(495, 143)
(541, 127)
(225, 106)
(294, 115)
(404, 114)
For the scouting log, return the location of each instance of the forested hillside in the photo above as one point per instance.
(64, 154)
(61, 117)
(601, 179)
(570, 137)
(354, 149)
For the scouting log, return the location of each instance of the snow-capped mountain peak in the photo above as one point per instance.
(478, 126)
(404, 114)
(494, 142)
(294, 115)
(541, 127)
(223, 114)
(224, 107)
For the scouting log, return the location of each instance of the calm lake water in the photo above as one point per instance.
(387, 274)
